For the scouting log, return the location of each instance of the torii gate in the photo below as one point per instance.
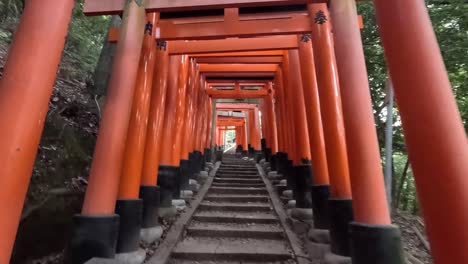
(417, 72)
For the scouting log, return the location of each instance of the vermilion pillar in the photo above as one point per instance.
(369, 202)
(272, 124)
(168, 164)
(320, 189)
(129, 206)
(156, 118)
(302, 167)
(149, 192)
(314, 119)
(339, 206)
(187, 163)
(25, 89)
(296, 101)
(434, 133)
(284, 124)
(98, 225)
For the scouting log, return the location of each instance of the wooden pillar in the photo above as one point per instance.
(25, 89)
(98, 221)
(371, 229)
(434, 132)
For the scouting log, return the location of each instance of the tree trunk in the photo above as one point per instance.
(403, 178)
(104, 66)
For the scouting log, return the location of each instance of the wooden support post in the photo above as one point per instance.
(156, 119)
(372, 224)
(25, 90)
(434, 132)
(314, 119)
(168, 179)
(129, 207)
(98, 221)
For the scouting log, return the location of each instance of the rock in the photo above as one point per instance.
(288, 194)
(304, 214)
(331, 258)
(319, 235)
(135, 257)
(150, 235)
(186, 194)
(167, 212)
(103, 261)
(179, 204)
(291, 204)
(192, 181)
(283, 182)
(274, 174)
(317, 250)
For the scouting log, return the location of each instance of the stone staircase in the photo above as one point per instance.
(235, 222)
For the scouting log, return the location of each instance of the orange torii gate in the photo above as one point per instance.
(415, 66)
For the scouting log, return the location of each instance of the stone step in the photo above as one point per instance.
(229, 184)
(218, 249)
(237, 207)
(187, 261)
(236, 198)
(235, 217)
(237, 190)
(233, 175)
(238, 171)
(237, 180)
(266, 231)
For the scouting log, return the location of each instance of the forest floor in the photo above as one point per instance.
(61, 169)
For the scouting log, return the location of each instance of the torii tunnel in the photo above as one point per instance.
(304, 93)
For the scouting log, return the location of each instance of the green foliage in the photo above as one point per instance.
(84, 43)
(84, 39)
(450, 20)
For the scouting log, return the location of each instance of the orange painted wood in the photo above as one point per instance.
(232, 45)
(251, 28)
(241, 60)
(130, 178)
(152, 154)
(238, 68)
(219, 94)
(367, 182)
(330, 105)
(25, 91)
(434, 132)
(314, 119)
(108, 7)
(103, 182)
(241, 54)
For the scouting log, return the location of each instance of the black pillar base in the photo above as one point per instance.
(303, 179)
(93, 236)
(239, 148)
(151, 202)
(198, 161)
(168, 181)
(219, 155)
(320, 196)
(245, 153)
(258, 155)
(341, 214)
(263, 144)
(184, 174)
(273, 163)
(207, 154)
(281, 162)
(131, 213)
(375, 244)
(290, 175)
(267, 155)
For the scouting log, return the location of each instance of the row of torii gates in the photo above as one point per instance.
(315, 98)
